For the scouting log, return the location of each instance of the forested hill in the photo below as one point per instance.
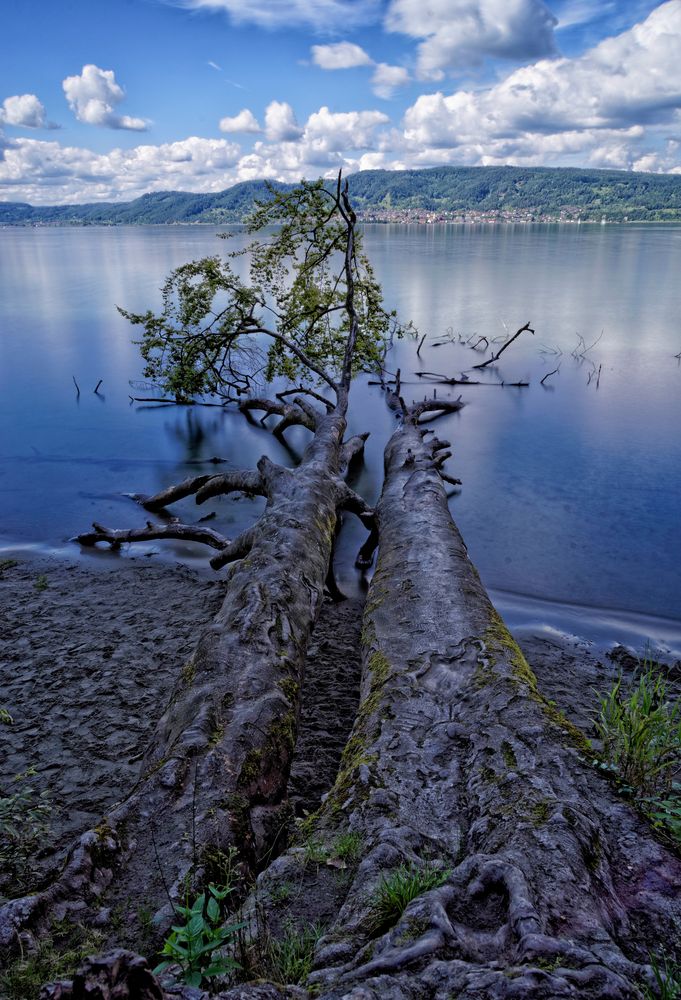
(510, 193)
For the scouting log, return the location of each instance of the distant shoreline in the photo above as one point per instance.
(482, 221)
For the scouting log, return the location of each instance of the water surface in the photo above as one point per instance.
(570, 495)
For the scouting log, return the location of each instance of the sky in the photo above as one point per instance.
(111, 99)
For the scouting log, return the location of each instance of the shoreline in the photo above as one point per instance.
(89, 657)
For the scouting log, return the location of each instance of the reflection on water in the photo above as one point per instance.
(571, 493)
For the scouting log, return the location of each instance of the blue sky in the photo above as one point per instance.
(108, 100)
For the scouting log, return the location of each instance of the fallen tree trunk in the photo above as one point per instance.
(536, 880)
(216, 771)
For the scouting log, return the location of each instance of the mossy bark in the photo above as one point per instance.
(555, 887)
(216, 771)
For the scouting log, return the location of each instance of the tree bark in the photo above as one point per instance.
(216, 771)
(552, 886)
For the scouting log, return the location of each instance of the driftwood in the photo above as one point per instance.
(505, 346)
(464, 380)
(551, 886)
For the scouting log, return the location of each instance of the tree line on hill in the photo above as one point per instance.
(540, 192)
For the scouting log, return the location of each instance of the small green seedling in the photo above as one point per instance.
(192, 945)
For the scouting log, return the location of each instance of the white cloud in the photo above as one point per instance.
(245, 121)
(342, 130)
(48, 173)
(92, 97)
(606, 97)
(322, 15)
(340, 55)
(461, 33)
(280, 122)
(24, 111)
(386, 79)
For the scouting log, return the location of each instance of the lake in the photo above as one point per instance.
(571, 494)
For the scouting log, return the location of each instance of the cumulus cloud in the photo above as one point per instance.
(280, 122)
(556, 107)
(460, 33)
(245, 121)
(340, 55)
(48, 173)
(322, 15)
(387, 79)
(93, 96)
(342, 130)
(24, 111)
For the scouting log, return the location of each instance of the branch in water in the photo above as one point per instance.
(495, 357)
(116, 537)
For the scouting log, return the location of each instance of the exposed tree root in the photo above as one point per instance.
(551, 886)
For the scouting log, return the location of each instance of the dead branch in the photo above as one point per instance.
(236, 549)
(507, 344)
(309, 392)
(76, 385)
(116, 537)
(290, 413)
(352, 449)
(229, 482)
(434, 406)
(464, 380)
(549, 374)
(98, 385)
(250, 483)
(418, 349)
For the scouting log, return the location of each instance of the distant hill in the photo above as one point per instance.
(515, 193)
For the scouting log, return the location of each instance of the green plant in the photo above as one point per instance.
(41, 582)
(348, 847)
(640, 729)
(7, 564)
(289, 959)
(281, 893)
(667, 979)
(666, 814)
(5, 718)
(314, 852)
(192, 945)
(396, 890)
(24, 825)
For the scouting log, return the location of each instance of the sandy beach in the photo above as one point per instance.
(88, 658)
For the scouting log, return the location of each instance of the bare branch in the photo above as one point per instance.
(495, 357)
(351, 449)
(436, 406)
(549, 374)
(290, 413)
(310, 392)
(232, 482)
(116, 537)
(236, 549)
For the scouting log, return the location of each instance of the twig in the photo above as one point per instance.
(76, 385)
(98, 385)
(418, 349)
(443, 380)
(495, 357)
(549, 374)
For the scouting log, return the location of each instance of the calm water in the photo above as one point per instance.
(571, 493)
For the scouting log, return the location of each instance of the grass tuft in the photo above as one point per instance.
(396, 890)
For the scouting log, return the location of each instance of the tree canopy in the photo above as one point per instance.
(309, 287)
